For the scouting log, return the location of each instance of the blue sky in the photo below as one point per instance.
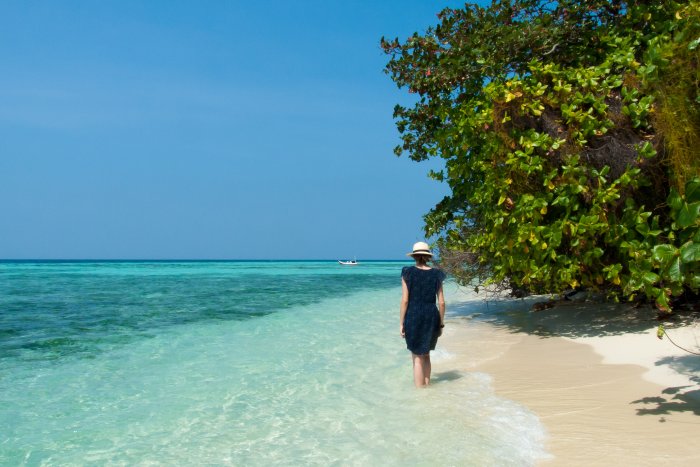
(208, 129)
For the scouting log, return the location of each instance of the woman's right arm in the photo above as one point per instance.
(441, 305)
(404, 305)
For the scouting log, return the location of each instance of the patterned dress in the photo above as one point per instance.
(422, 321)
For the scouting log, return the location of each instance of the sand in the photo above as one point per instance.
(613, 396)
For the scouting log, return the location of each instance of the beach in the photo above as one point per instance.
(605, 394)
(301, 363)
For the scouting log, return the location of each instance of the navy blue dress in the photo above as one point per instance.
(422, 321)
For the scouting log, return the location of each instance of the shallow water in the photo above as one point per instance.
(240, 363)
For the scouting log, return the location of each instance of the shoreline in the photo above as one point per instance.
(598, 405)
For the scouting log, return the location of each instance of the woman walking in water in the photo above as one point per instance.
(421, 320)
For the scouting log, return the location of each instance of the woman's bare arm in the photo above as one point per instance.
(441, 304)
(404, 305)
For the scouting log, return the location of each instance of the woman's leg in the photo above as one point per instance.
(427, 368)
(419, 375)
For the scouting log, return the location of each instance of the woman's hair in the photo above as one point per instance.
(422, 260)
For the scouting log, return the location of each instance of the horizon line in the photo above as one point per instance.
(183, 259)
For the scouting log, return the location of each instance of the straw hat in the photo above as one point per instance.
(420, 248)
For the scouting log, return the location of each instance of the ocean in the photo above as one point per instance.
(232, 363)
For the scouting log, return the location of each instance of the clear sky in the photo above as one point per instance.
(206, 129)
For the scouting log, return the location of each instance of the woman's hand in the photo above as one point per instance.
(402, 331)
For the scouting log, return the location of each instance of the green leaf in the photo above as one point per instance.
(688, 214)
(674, 200)
(642, 228)
(692, 190)
(646, 150)
(674, 271)
(664, 253)
(662, 301)
(694, 44)
(690, 252)
(650, 277)
(694, 282)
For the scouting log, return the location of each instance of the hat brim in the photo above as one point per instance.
(422, 253)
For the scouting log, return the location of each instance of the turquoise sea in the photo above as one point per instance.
(231, 363)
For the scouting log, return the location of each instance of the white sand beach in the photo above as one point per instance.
(608, 392)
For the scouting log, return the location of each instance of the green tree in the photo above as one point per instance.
(556, 123)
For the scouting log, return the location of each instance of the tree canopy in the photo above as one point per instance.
(570, 131)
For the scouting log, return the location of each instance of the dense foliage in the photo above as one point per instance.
(570, 134)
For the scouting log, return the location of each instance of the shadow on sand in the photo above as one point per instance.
(679, 398)
(568, 318)
(446, 376)
(672, 400)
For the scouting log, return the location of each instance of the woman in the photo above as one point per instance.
(421, 320)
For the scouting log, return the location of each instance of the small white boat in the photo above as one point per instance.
(352, 262)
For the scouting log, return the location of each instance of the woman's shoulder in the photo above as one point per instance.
(406, 270)
(439, 273)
